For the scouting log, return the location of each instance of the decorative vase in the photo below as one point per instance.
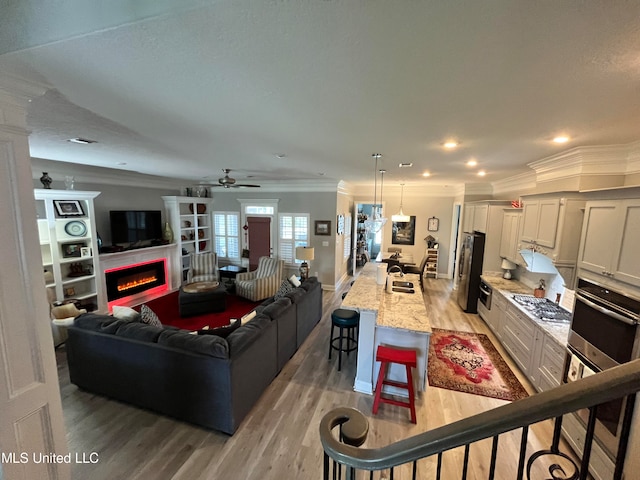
(167, 233)
(69, 182)
(46, 180)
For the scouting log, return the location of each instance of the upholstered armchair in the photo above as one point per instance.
(203, 267)
(261, 283)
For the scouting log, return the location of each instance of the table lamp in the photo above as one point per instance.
(507, 266)
(304, 254)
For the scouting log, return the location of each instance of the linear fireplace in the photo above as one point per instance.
(133, 279)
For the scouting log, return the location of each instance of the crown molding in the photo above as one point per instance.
(518, 183)
(19, 91)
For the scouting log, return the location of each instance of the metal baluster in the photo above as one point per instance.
(439, 469)
(624, 436)
(391, 477)
(465, 463)
(523, 451)
(494, 455)
(415, 469)
(588, 440)
(326, 463)
(557, 429)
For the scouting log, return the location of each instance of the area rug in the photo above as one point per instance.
(468, 362)
(167, 309)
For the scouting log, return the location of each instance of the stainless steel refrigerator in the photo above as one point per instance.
(469, 271)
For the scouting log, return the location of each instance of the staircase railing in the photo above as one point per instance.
(612, 384)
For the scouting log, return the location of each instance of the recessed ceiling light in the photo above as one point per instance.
(405, 165)
(83, 141)
(450, 144)
(472, 163)
(281, 155)
(482, 173)
(426, 174)
(121, 163)
(561, 139)
(321, 174)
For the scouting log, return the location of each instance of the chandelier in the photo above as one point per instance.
(377, 221)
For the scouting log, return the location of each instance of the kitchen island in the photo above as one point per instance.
(393, 319)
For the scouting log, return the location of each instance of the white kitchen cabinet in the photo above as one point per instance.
(480, 214)
(510, 234)
(498, 311)
(68, 245)
(519, 338)
(549, 365)
(467, 217)
(191, 219)
(610, 239)
(540, 221)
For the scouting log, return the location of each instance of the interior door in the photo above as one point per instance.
(259, 239)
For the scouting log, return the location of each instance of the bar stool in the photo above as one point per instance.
(386, 355)
(344, 320)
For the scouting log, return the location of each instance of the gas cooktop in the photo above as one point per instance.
(543, 308)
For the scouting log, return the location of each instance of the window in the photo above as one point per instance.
(259, 210)
(227, 234)
(293, 232)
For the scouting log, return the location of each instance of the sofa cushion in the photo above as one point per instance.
(139, 331)
(98, 322)
(149, 316)
(276, 308)
(247, 334)
(126, 313)
(211, 345)
(296, 295)
(224, 331)
(309, 283)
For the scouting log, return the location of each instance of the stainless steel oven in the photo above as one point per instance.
(604, 333)
(485, 295)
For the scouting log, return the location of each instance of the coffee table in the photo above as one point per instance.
(202, 297)
(229, 272)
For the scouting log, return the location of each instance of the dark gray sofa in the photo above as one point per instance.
(202, 379)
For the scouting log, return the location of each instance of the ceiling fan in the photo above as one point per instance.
(228, 182)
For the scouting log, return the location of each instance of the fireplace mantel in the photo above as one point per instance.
(109, 261)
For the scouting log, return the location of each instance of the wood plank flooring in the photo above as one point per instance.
(279, 439)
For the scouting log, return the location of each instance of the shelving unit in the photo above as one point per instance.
(191, 220)
(362, 253)
(68, 246)
(431, 267)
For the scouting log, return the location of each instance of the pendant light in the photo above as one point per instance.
(376, 222)
(400, 216)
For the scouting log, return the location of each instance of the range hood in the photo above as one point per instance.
(537, 262)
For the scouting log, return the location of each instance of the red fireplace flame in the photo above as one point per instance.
(123, 287)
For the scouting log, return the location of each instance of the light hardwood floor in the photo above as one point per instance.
(279, 439)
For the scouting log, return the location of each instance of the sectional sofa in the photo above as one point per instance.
(206, 380)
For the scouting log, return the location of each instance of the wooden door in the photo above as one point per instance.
(259, 239)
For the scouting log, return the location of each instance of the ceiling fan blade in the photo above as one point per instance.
(245, 185)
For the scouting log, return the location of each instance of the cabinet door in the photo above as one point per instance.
(547, 229)
(626, 266)
(529, 220)
(600, 219)
(515, 236)
(467, 221)
(505, 239)
(480, 218)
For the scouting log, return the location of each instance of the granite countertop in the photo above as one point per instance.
(403, 311)
(558, 331)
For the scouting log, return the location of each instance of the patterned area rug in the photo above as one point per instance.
(468, 362)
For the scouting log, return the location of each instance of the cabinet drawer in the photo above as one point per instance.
(499, 301)
(600, 465)
(520, 352)
(552, 360)
(522, 325)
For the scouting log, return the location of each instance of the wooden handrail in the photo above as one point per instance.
(609, 385)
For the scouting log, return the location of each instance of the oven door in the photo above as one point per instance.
(485, 295)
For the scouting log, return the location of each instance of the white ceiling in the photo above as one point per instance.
(183, 91)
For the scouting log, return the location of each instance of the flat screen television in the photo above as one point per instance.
(132, 226)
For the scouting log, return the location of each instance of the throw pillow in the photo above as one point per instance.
(125, 313)
(223, 331)
(248, 316)
(294, 281)
(285, 287)
(148, 316)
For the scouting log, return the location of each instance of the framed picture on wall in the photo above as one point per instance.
(404, 233)
(323, 227)
(68, 208)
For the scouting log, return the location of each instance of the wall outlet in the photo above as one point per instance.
(325, 243)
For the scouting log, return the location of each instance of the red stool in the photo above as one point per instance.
(387, 355)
